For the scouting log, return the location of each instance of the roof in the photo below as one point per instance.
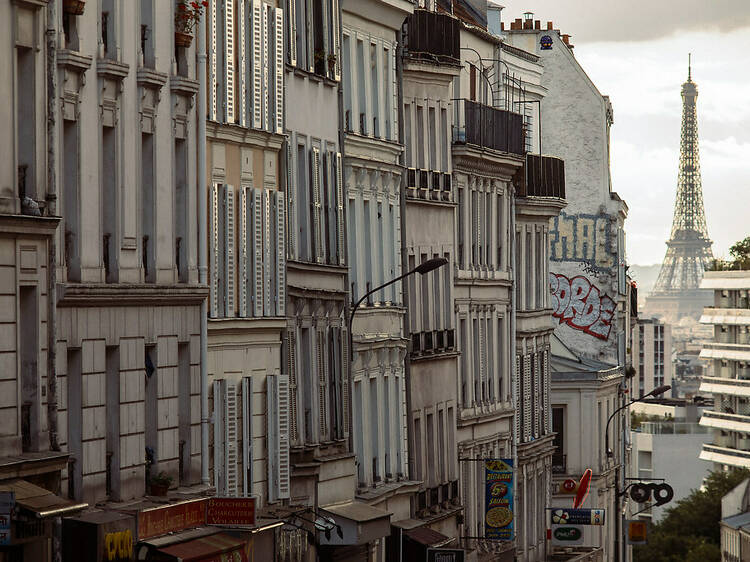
(565, 364)
(38, 500)
(428, 537)
(205, 547)
(737, 521)
(357, 511)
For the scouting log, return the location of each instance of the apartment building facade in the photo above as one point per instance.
(651, 354)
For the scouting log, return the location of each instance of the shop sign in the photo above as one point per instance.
(637, 531)
(445, 555)
(171, 518)
(498, 499)
(118, 546)
(230, 511)
(561, 516)
(7, 503)
(566, 535)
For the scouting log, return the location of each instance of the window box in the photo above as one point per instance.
(182, 39)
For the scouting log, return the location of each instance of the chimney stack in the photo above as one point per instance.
(550, 27)
(518, 24)
(502, 26)
(566, 38)
(537, 24)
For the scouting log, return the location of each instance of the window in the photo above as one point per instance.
(361, 87)
(420, 146)
(465, 373)
(430, 448)
(148, 203)
(433, 164)
(529, 272)
(387, 93)
(375, 429)
(347, 85)
(107, 29)
(304, 210)
(444, 139)
(28, 327)
(375, 93)
(26, 122)
(110, 196)
(70, 189)
(418, 447)
(408, 137)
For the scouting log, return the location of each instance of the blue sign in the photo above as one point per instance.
(498, 499)
(545, 43)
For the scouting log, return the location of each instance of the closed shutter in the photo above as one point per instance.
(317, 206)
(340, 241)
(291, 209)
(229, 257)
(309, 35)
(268, 267)
(257, 263)
(212, 64)
(547, 410)
(345, 402)
(219, 451)
(266, 64)
(482, 357)
(230, 439)
(517, 386)
(229, 61)
(526, 397)
(242, 19)
(394, 98)
(247, 436)
(277, 402)
(245, 210)
(257, 49)
(279, 70)
(290, 355)
(291, 15)
(336, 49)
(214, 268)
(280, 289)
(322, 385)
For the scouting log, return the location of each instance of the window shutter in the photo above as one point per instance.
(229, 61)
(279, 70)
(230, 439)
(290, 345)
(545, 374)
(267, 265)
(322, 386)
(518, 398)
(257, 48)
(245, 211)
(291, 209)
(266, 63)
(336, 48)
(317, 206)
(215, 249)
(247, 436)
(526, 397)
(341, 243)
(482, 357)
(219, 462)
(291, 14)
(257, 276)
(229, 251)
(345, 403)
(242, 19)
(280, 277)
(309, 35)
(277, 397)
(213, 79)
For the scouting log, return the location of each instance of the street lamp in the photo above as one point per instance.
(659, 390)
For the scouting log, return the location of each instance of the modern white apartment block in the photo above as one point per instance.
(728, 377)
(651, 354)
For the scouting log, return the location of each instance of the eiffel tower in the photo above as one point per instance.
(676, 293)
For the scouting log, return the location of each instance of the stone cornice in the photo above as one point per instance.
(121, 294)
(389, 149)
(28, 225)
(430, 73)
(544, 207)
(150, 78)
(112, 69)
(73, 60)
(232, 133)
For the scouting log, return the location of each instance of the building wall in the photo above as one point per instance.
(651, 355)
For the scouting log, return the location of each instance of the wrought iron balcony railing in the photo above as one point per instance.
(433, 37)
(487, 127)
(545, 176)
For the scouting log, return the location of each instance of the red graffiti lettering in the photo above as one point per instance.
(580, 305)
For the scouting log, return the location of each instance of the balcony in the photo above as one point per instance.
(726, 421)
(433, 37)
(542, 176)
(725, 455)
(720, 385)
(487, 127)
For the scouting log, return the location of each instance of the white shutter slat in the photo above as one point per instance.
(219, 476)
(340, 240)
(215, 249)
(257, 49)
(336, 47)
(309, 35)
(242, 19)
(244, 269)
(283, 412)
(213, 78)
(267, 265)
(290, 343)
(280, 215)
(265, 62)
(317, 206)
(229, 257)
(257, 277)
(229, 62)
(247, 436)
(279, 71)
(527, 397)
(230, 439)
(344, 334)
(322, 386)
(291, 209)
(277, 402)
(292, 30)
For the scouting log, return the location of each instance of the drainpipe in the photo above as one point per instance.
(404, 253)
(51, 197)
(200, 70)
(513, 304)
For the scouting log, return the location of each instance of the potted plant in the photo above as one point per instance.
(74, 7)
(319, 57)
(331, 64)
(160, 484)
(188, 14)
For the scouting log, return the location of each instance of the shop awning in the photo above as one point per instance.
(360, 523)
(213, 548)
(428, 537)
(39, 501)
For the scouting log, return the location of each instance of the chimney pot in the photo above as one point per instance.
(537, 24)
(528, 24)
(518, 23)
(566, 38)
(502, 26)
(550, 27)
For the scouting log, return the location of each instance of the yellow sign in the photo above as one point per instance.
(637, 531)
(118, 546)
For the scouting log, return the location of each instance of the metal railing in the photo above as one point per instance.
(432, 36)
(544, 177)
(487, 127)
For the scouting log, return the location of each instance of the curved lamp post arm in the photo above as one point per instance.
(655, 392)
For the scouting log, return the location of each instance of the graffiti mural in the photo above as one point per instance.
(582, 238)
(579, 304)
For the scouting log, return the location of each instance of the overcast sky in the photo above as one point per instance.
(636, 52)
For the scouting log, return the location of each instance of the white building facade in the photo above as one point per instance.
(651, 354)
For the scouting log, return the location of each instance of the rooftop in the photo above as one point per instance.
(737, 521)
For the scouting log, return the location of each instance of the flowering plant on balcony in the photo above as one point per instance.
(187, 15)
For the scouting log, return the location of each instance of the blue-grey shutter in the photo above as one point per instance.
(257, 49)
(247, 436)
(280, 232)
(216, 249)
(277, 408)
(229, 257)
(229, 62)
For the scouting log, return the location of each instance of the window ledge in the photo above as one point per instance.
(302, 73)
(112, 69)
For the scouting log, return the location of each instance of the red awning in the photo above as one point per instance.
(209, 549)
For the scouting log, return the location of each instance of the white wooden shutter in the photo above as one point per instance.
(292, 31)
(257, 275)
(230, 439)
(290, 346)
(266, 64)
(277, 401)
(245, 211)
(483, 378)
(317, 206)
(268, 267)
(291, 209)
(214, 271)
(336, 47)
(545, 375)
(322, 385)
(518, 398)
(527, 397)
(229, 256)
(257, 64)
(345, 402)
(219, 452)
(247, 436)
(341, 241)
(213, 78)
(242, 19)
(280, 287)
(229, 61)
(279, 71)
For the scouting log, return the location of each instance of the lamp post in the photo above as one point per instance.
(618, 517)
(422, 268)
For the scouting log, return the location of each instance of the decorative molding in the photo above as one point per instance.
(122, 294)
